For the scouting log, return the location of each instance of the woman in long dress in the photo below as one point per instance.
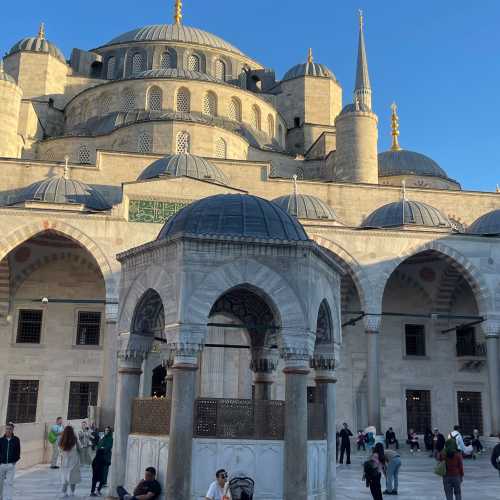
(70, 461)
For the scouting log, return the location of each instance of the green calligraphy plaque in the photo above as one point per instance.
(152, 211)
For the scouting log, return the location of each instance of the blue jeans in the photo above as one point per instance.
(392, 474)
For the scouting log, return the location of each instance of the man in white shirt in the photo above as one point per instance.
(219, 489)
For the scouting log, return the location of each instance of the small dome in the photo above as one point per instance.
(404, 162)
(304, 206)
(183, 74)
(38, 44)
(487, 225)
(62, 190)
(308, 69)
(234, 215)
(415, 213)
(174, 33)
(184, 164)
(350, 108)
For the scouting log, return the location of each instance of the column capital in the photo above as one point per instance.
(186, 354)
(491, 327)
(296, 358)
(324, 368)
(372, 323)
(132, 349)
(264, 360)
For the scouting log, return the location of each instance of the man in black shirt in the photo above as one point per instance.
(10, 453)
(147, 489)
(345, 444)
(390, 438)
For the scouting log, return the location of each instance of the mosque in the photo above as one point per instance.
(204, 252)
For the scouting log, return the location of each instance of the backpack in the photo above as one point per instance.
(370, 471)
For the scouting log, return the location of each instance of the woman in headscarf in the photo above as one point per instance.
(70, 460)
(101, 462)
(452, 480)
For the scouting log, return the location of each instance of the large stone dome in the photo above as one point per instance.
(304, 206)
(412, 213)
(486, 225)
(179, 165)
(174, 33)
(404, 162)
(308, 69)
(235, 216)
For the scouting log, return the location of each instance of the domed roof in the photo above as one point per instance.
(350, 108)
(487, 225)
(234, 215)
(183, 74)
(305, 206)
(184, 164)
(38, 44)
(62, 190)
(404, 162)
(174, 33)
(308, 69)
(415, 213)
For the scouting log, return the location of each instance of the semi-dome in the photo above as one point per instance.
(404, 162)
(174, 33)
(63, 190)
(405, 212)
(305, 206)
(234, 215)
(38, 44)
(183, 74)
(486, 225)
(179, 165)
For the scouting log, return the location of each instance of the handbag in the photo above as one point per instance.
(440, 469)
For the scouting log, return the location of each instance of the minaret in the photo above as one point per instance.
(362, 89)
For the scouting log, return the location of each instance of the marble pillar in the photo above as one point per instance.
(492, 332)
(372, 330)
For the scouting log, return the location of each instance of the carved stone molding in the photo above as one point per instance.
(491, 328)
(372, 323)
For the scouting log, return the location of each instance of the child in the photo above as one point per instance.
(360, 440)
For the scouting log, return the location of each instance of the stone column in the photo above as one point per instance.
(491, 330)
(263, 365)
(181, 422)
(325, 382)
(167, 359)
(127, 389)
(295, 452)
(372, 330)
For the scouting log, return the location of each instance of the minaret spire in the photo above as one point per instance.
(310, 58)
(395, 128)
(178, 12)
(41, 31)
(362, 89)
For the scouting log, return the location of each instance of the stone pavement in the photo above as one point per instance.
(417, 481)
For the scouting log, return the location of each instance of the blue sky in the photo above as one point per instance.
(439, 60)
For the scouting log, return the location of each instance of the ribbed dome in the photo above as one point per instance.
(415, 213)
(183, 74)
(37, 44)
(350, 108)
(62, 190)
(234, 215)
(174, 33)
(308, 69)
(487, 225)
(404, 162)
(184, 164)
(304, 206)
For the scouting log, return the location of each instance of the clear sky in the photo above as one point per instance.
(438, 59)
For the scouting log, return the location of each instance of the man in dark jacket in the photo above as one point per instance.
(438, 442)
(495, 457)
(345, 444)
(10, 453)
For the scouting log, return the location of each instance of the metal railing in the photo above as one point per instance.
(470, 349)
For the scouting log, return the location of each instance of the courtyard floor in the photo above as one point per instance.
(417, 481)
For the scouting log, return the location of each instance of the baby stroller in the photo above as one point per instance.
(241, 488)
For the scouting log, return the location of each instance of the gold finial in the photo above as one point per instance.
(178, 12)
(310, 58)
(395, 128)
(361, 19)
(41, 31)
(295, 188)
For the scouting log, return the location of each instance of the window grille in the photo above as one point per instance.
(111, 68)
(220, 70)
(89, 328)
(182, 143)
(154, 99)
(145, 143)
(166, 60)
(23, 398)
(183, 101)
(256, 117)
(193, 63)
(137, 63)
(128, 101)
(270, 125)
(81, 396)
(415, 340)
(470, 411)
(209, 104)
(105, 104)
(418, 410)
(220, 148)
(234, 110)
(29, 326)
(83, 155)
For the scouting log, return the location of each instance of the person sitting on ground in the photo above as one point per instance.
(413, 441)
(147, 489)
(476, 443)
(495, 457)
(219, 489)
(390, 438)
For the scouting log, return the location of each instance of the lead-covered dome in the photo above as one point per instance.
(308, 69)
(404, 212)
(189, 165)
(65, 191)
(234, 215)
(304, 206)
(175, 33)
(183, 74)
(404, 162)
(486, 225)
(38, 44)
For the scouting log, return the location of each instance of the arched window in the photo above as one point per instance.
(220, 70)
(255, 117)
(270, 125)
(193, 62)
(183, 101)
(154, 99)
(110, 74)
(145, 143)
(166, 60)
(234, 110)
(83, 155)
(183, 143)
(128, 101)
(220, 148)
(210, 104)
(105, 104)
(137, 63)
